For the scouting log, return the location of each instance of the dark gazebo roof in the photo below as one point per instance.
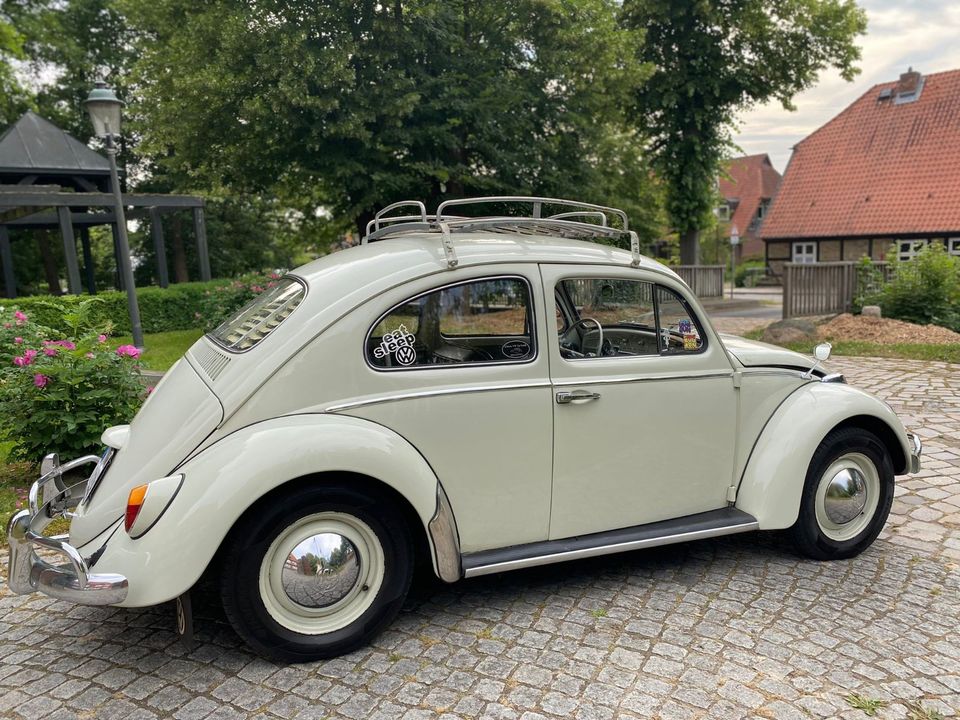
(34, 144)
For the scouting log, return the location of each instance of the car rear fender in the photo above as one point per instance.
(229, 477)
(773, 479)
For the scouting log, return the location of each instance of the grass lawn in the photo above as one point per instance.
(162, 349)
(907, 351)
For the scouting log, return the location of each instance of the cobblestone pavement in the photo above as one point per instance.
(738, 627)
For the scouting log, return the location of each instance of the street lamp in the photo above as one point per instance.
(104, 108)
(734, 241)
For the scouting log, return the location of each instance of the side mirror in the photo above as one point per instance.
(822, 352)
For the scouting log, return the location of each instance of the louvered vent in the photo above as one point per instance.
(211, 361)
(260, 318)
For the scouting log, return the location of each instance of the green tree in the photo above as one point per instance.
(14, 98)
(714, 59)
(364, 103)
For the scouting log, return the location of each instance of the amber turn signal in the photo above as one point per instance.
(134, 503)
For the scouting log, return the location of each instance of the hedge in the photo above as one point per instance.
(182, 306)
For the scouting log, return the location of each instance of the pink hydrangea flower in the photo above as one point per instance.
(50, 352)
(89, 356)
(18, 340)
(150, 389)
(20, 361)
(7, 326)
(101, 338)
(128, 351)
(29, 355)
(19, 317)
(40, 380)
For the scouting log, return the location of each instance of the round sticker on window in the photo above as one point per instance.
(515, 349)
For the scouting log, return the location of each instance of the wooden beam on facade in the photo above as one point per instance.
(31, 197)
(70, 251)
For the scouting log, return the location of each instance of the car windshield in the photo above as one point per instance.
(260, 317)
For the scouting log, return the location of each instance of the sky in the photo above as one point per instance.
(924, 34)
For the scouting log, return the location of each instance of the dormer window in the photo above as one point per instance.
(908, 87)
(723, 212)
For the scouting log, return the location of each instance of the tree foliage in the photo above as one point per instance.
(715, 58)
(14, 99)
(359, 103)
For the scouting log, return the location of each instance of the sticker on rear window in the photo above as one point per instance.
(399, 343)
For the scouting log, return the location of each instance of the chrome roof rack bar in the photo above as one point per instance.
(601, 216)
(537, 204)
(379, 218)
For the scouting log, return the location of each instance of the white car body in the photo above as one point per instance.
(491, 469)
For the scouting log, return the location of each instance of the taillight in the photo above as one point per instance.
(134, 503)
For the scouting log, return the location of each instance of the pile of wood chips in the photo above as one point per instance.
(885, 331)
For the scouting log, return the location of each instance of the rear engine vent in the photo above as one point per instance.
(212, 362)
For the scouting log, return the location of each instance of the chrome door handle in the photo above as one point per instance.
(577, 397)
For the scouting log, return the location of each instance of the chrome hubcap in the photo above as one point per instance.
(321, 570)
(846, 496)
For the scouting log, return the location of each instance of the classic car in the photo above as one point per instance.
(504, 383)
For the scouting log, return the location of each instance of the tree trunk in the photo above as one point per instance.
(362, 220)
(180, 274)
(690, 247)
(49, 263)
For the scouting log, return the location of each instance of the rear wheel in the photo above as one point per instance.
(316, 572)
(846, 496)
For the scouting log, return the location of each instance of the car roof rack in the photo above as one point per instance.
(578, 221)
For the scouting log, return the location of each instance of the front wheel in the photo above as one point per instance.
(846, 496)
(316, 572)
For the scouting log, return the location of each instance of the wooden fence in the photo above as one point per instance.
(827, 287)
(704, 280)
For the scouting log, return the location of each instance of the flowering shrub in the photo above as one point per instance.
(58, 394)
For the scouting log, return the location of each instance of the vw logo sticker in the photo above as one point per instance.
(406, 355)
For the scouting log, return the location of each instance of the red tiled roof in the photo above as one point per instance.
(749, 180)
(877, 169)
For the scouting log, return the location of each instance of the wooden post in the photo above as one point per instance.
(156, 231)
(787, 295)
(6, 257)
(200, 230)
(69, 250)
(88, 260)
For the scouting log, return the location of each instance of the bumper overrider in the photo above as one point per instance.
(70, 579)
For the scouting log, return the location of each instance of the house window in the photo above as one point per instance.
(723, 212)
(953, 246)
(762, 209)
(804, 252)
(908, 249)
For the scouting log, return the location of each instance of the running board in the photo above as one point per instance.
(725, 521)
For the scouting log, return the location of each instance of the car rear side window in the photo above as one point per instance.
(482, 322)
(260, 317)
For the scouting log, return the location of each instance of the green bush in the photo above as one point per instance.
(924, 290)
(748, 271)
(58, 393)
(179, 307)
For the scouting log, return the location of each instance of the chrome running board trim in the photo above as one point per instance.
(725, 521)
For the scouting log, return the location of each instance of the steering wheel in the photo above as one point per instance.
(584, 321)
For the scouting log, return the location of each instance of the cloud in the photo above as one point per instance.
(922, 34)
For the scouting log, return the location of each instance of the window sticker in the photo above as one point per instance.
(691, 342)
(685, 327)
(398, 343)
(515, 349)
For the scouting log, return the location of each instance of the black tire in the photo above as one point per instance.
(254, 535)
(809, 536)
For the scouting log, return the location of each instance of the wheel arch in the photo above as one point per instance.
(772, 482)
(233, 476)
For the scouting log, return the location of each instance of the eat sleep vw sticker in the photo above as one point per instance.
(398, 343)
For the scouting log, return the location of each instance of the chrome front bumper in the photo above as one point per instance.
(68, 580)
(915, 452)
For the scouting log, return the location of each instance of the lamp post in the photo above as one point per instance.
(104, 108)
(734, 241)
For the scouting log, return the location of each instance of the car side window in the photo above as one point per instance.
(615, 317)
(679, 330)
(477, 322)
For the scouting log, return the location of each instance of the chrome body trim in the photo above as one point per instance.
(652, 378)
(446, 541)
(72, 579)
(667, 539)
(916, 452)
(434, 393)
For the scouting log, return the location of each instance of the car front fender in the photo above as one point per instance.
(772, 482)
(226, 479)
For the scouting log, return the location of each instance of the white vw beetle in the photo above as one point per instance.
(475, 393)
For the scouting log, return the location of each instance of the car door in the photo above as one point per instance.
(644, 419)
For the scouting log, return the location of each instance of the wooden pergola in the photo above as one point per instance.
(50, 180)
